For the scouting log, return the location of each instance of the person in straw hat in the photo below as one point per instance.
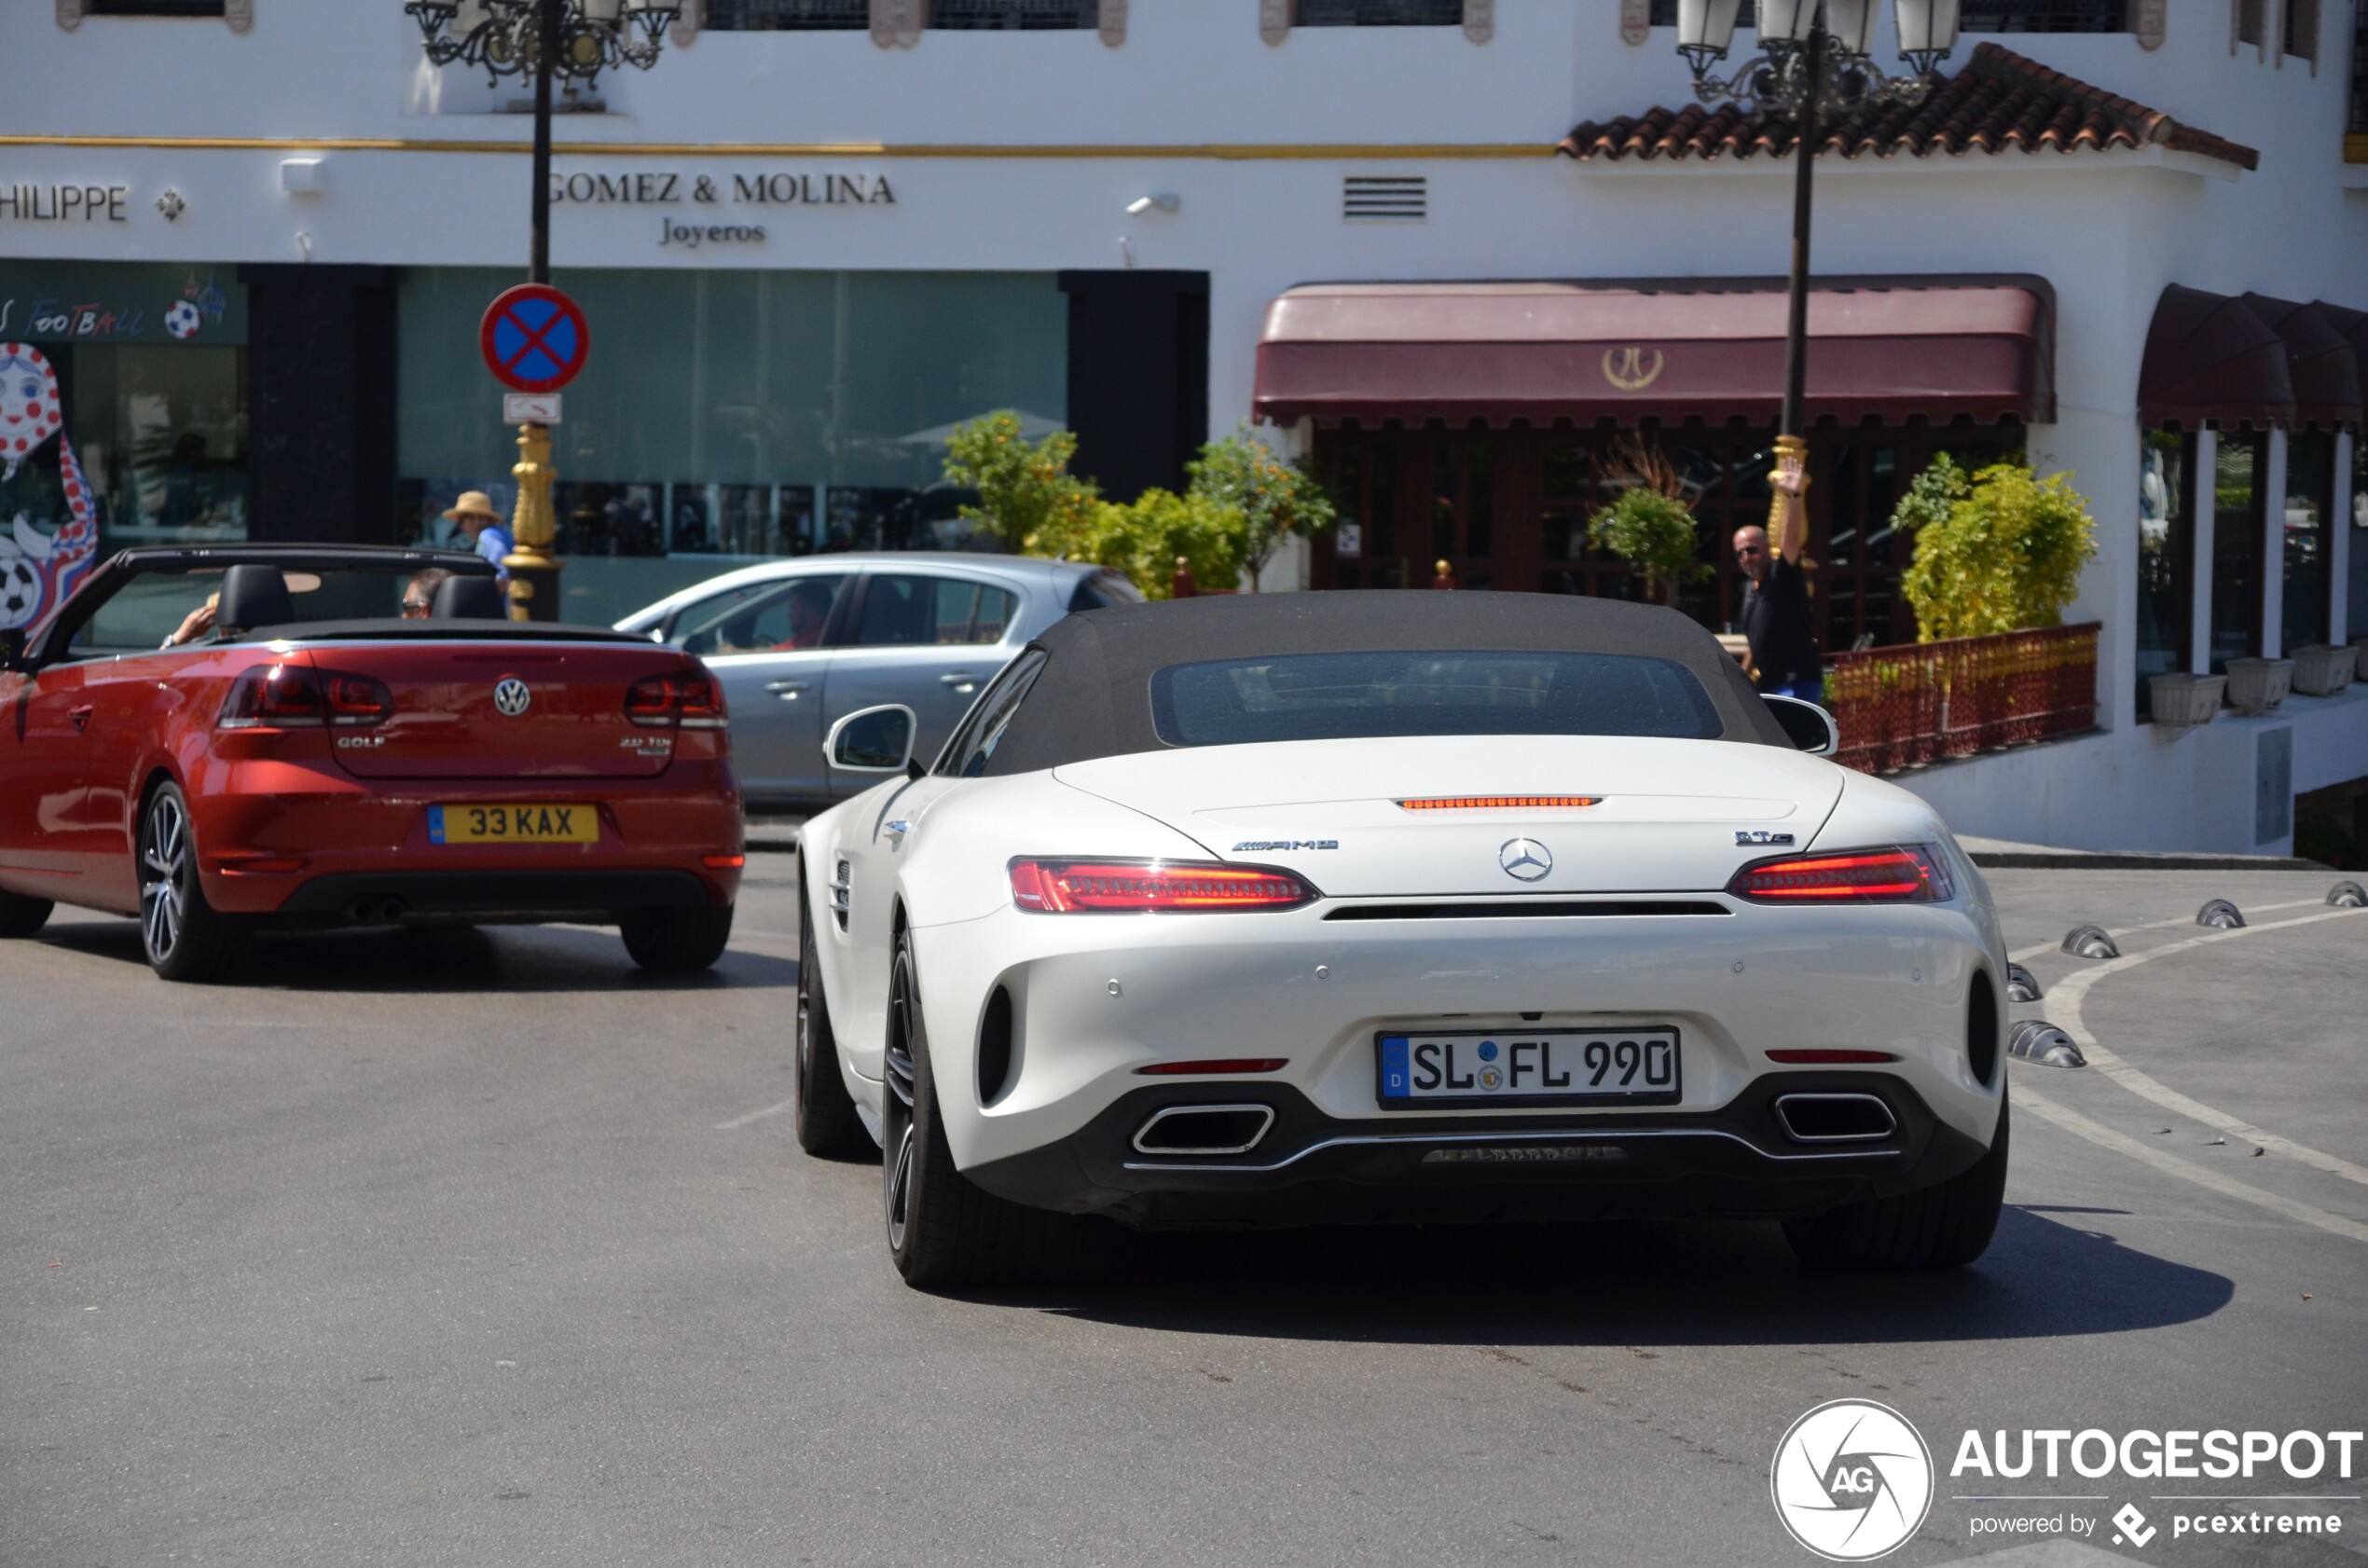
(487, 535)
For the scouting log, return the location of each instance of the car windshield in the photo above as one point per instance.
(1337, 696)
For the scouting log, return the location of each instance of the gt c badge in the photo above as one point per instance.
(511, 697)
(1761, 836)
(1525, 858)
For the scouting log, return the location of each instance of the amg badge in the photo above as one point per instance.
(1267, 846)
(1761, 836)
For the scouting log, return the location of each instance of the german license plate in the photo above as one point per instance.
(1633, 1067)
(514, 822)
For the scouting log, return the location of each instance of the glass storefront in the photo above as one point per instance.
(2239, 466)
(2310, 494)
(2165, 558)
(123, 417)
(729, 416)
(2356, 608)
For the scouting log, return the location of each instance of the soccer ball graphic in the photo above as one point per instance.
(19, 590)
(184, 319)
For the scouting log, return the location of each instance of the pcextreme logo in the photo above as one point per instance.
(1851, 1480)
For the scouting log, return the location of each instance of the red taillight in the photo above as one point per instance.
(285, 697)
(1151, 887)
(1829, 1057)
(278, 696)
(1907, 874)
(688, 698)
(1228, 1065)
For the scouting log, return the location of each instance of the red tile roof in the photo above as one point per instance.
(2000, 102)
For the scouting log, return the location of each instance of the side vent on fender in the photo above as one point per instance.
(995, 1047)
(841, 891)
(1981, 1029)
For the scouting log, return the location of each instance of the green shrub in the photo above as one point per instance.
(1652, 532)
(2004, 555)
(1144, 538)
(1025, 489)
(1276, 499)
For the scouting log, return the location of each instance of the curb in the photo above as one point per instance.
(2083, 860)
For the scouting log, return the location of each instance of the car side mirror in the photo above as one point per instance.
(1805, 726)
(871, 739)
(12, 648)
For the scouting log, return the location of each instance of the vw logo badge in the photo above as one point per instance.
(1525, 858)
(511, 698)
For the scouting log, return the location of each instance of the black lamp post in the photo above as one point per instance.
(1814, 65)
(575, 40)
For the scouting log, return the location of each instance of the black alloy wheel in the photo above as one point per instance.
(943, 1231)
(827, 1124)
(185, 938)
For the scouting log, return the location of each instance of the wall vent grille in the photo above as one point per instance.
(1385, 198)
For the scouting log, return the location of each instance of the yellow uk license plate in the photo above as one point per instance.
(514, 822)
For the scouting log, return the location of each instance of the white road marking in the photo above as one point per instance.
(755, 1116)
(2121, 1143)
(2064, 1004)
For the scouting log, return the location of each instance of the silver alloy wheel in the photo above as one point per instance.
(899, 1189)
(165, 859)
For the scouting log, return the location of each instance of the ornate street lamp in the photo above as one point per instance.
(1812, 66)
(577, 40)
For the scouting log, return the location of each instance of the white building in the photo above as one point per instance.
(806, 249)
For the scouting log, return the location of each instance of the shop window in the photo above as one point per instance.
(1015, 15)
(1665, 14)
(2165, 558)
(729, 414)
(2356, 606)
(1381, 13)
(2249, 24)
(771, 16)
(123, 388)
(2310, 493)
(2239, 464)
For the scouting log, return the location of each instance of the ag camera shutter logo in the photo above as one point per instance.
(1851, 1480)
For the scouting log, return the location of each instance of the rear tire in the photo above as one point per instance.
(678, 941)
(184, 936)
(1943, 1227)
(20, 916)
(827, 1125)
(943, 1231)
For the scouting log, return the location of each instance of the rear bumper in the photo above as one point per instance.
(353, 840)
(1310, 1168)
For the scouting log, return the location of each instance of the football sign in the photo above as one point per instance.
(534, 338)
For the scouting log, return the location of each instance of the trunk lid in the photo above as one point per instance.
(447, 723)
(1667, 816)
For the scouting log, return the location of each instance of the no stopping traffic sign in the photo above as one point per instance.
(534, 338)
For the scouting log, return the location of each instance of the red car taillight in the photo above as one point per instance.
(690, 699)
(1905, 873)
(1151, 887)
(286, 696)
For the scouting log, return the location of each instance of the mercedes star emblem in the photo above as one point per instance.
(1525, 858)
(511, 698)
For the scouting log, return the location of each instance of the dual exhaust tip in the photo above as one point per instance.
(1222, 1130)
(375, 912)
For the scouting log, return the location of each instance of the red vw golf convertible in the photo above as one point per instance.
(334, 736)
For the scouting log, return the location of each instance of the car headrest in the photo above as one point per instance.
(253, 595)
(469, 598)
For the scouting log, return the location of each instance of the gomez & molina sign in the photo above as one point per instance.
(689, 193)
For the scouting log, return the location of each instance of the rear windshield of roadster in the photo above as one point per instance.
(1340, 696)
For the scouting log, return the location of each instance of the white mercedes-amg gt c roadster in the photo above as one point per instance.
(1374, 907)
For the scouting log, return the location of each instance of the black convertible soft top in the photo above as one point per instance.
(1093, 698)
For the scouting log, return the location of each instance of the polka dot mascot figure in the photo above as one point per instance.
(38, 570)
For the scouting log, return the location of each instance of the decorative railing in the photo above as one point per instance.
(1928, 701)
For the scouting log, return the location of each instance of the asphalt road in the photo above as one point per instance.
(480, 1248)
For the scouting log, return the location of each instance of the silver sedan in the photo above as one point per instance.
(800, 643)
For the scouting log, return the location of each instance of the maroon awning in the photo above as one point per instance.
(2209, 359)
(2320, 362)
(1883, 349)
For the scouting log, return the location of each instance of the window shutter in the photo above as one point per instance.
(1479, 20)
(1112, 23)
(898, 24)
(1636, 22)
(1274, 20)
(2150, 21)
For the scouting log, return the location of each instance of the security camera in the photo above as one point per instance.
(1166, 201)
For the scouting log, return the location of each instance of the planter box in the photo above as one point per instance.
(2187, 700)
(2258, 685)
(2321, 671)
